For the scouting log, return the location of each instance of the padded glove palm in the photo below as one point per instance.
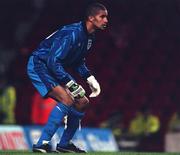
(76, 90)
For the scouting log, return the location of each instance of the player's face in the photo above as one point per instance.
(100, 19)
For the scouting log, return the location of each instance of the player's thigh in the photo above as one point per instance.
(39, 76)
(45, 83)
(60, 94)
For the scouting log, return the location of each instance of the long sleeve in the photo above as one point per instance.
(83, 70)
(59, 51)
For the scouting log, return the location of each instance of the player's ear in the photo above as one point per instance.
(91, 18)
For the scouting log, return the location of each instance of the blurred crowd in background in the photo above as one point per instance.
(136, 61)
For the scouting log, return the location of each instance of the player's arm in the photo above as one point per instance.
(91, 80)
(59, 51)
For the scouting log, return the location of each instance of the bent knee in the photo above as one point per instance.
(82, 104)
(83, 101)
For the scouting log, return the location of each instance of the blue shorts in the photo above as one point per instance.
(40, 77)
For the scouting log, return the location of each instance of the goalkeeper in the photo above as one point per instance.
(67, 47)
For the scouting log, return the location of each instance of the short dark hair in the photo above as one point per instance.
(93, 9)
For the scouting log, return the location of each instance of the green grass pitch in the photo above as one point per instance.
(90, 153)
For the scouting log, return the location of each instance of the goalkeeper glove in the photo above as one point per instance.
(94, 86)
(76, 90)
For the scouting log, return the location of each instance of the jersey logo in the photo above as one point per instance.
(79, 44)
(89, 44)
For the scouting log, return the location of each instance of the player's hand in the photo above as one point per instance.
(76, 90)
(94, 86)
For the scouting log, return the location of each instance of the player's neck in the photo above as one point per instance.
(90, 27)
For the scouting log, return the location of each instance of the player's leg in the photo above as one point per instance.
(54, 121)
(81, 104)
(73, 121)
(57, 114)
(48, 86)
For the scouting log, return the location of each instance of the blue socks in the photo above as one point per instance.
(72, 125)
(54, 121)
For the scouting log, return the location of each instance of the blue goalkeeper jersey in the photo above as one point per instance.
(67, 47)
